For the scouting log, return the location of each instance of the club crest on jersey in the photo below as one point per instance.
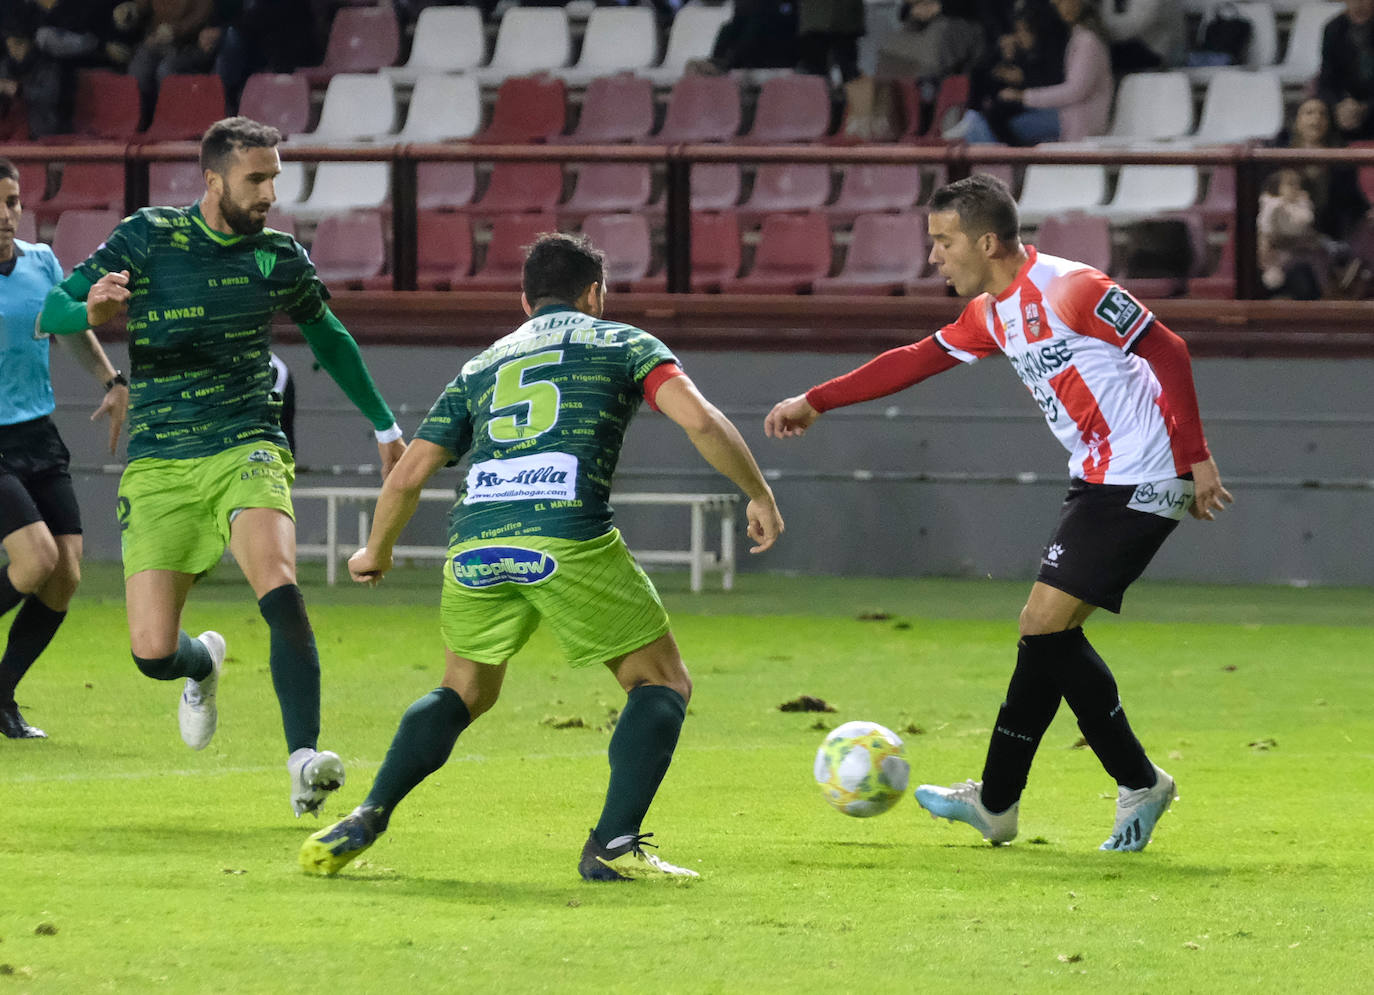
(489, 565)
(1030, 314)
(267, 261)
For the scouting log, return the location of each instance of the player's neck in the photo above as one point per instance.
(213, 217)
(1003, 270)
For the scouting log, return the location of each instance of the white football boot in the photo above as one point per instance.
(963, 802)
(197, 713)
(1137, 812)
(315, 774)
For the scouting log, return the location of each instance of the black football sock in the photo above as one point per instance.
(640, 751)
(422, 745)
(9, 597)
(295, 665)
(1032, 699)
(33, 629)
(1089, 688)
(191, 660)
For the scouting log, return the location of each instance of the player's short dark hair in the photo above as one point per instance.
(230, 135)
(983, 203)
(8, 170)
(560, 267)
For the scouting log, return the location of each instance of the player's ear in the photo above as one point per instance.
(525, 303)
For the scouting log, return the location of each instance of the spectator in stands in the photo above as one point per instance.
(1067, 111)
(762, 34)
(1144, 34)
(264, 36)
(828, 33)
(65, 35)
(178, 37)
(930, 44)
(16, 61)
(1346, 79)
(1031, 54)
(1293, 262)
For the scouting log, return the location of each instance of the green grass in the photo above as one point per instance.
(131, 864)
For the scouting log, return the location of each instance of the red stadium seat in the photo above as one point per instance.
(279, 99)
(85, 186)
(793, 252)
(14, 123)
(33, 183)
(873, 189)
(27, 231)
(1220, 283)
(715, 254)
(1086, 238)
(361, 40)
(701, 109)
(951, 100)
(79, 233)
(106, 105)
(604, 187)
(886, 252)
(444, 249)
(528, 109)
(625, 240)
(614, 109)
(791, 108)
(505, 258)
(521, 187)
(444, 184)
(787, 186)
(174, 184)
(186, 105)
(349, 248)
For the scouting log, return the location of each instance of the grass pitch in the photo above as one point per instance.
(131, 864)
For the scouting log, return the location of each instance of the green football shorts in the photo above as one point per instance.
(593, 594)
(174, 514)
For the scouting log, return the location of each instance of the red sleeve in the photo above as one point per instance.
(657, 377)
(1167, 355)
(1092, 304)
(888, 373)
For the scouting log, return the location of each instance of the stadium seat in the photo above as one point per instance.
(625, 240)
(1303, 58)
(105, 105)
(444, 184)
(692, 36)
(529, 40)
(443, 108)
(520, 188)
(447, 40)
(357, 107)
(174, 184)
(14, 122)
(187, 104)
(701, 109)
(81, 232)
(614, 109)
(951, 100)
(33, 183)
(1084, 238)
(604, 187)
(27, 230)
(886, 252)
(279, 99)
(1143, 278)
(715, 186)
(1263, 50)
(344, 186)
(870, 189)
(787, 186)
(716, 254)
(284, 223)
(793, 252)
(361, 40)
(1220, 282)
(1003, 171)
(1218, 207)
(617, 40)
(443, 249)
(291, 186)
(1143, 191)
(1050, 190)
(527, 109)
(791, 108)
(349, 248)
(84, 186)
(1239, 105)
(1149, 107)
(505, 259)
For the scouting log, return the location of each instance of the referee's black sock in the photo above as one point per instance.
(640, 751)
(1032, 699)
(1089, 688)
(9, 597)
(422, 745)
(33, 629)
(295, 665)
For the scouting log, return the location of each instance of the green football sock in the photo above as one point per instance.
(641, 750)
(421, 746)
(295, 665)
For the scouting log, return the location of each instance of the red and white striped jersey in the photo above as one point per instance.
(1067, 330)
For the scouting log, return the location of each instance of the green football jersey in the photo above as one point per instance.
(199, 320)
(544, 412)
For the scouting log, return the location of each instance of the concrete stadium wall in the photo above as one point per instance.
(1272, 424)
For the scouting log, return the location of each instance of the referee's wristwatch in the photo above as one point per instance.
(119, 378)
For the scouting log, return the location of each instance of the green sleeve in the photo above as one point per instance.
(339, 355)
(64, 309)
(447, 423)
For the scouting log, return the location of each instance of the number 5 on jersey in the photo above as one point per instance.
(539, 398)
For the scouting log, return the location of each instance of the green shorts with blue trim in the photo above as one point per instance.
(174, 514)
(592, 593)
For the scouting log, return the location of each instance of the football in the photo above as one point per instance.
(861, 769)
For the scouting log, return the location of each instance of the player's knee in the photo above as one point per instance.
(32, 568)
(61, 585)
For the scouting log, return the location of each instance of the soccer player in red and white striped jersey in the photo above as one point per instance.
(1116, 389)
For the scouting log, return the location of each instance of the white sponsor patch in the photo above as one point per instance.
(1166, 498)
(523, 478)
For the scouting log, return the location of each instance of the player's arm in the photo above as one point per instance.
(894, 370)
(399, 498)
(720, 443)
(338, 353)
(76, 304)
(86, 348)
(1168, 356)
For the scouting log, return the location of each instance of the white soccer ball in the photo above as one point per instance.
(861, 769)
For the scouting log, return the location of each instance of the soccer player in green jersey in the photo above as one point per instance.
(542, 415)
(208, 463)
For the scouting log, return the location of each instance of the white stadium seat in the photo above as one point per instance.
(1150, 107)
(447, 40)
(357, 107)
(1303, 59)
(1145, 191)
(1239, 106)
(1054, 189)
(344, 186)
(529, 40)
(444, 107)
(692, 36)
(618, 40)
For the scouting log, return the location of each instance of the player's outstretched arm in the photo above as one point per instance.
(400, 497)
(720, 443)
(1208, 493)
